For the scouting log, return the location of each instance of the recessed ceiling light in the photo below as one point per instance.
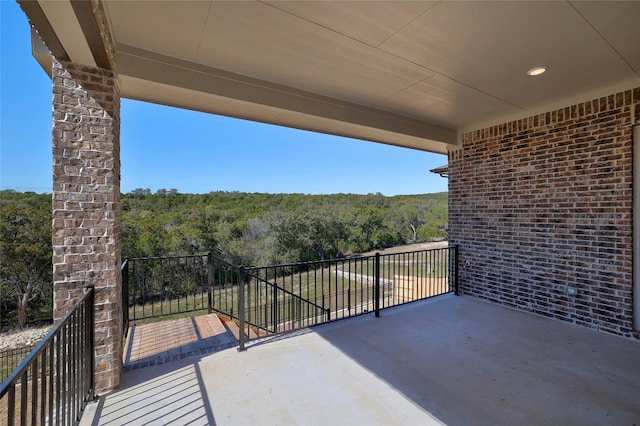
(537, 71)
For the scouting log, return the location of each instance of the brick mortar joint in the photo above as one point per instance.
(538, 121)
(63, 71)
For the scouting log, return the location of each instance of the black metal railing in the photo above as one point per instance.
(124, 269)
(278, 298)
(56, 380)
(274, 307)
(223, 287)
(156, 287)
(10, 358)
(286, 297)
(163, 286)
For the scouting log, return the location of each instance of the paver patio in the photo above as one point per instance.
(166, 341)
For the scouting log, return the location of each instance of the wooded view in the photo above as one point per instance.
(245, 228)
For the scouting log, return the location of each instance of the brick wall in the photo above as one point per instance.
(86, 205)
(545, 203)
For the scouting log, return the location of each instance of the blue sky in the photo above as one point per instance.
(163, 147)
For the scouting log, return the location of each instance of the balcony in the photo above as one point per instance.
(446, 360)
(441, 359)
(257, 304)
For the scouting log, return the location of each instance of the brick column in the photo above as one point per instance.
(86, 205)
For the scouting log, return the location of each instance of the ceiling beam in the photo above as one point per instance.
(141, 64)
(92, 34)
(43, 27)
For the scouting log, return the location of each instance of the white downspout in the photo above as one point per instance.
(636, 231)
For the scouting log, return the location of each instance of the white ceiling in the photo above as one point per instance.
(406, 73)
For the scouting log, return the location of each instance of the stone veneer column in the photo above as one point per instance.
(86, 205)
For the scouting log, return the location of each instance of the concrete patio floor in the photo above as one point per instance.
(449, 360)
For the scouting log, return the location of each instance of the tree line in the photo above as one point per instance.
(251, 229)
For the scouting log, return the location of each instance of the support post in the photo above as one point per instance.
(456, 279)
(376, 303)
(274, 307)
(125, 298)
(241, 312)
(209, 282)
(89, 306)
(326, 309)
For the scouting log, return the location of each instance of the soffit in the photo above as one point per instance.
(442, 67)
(617, 25)
(494, 44)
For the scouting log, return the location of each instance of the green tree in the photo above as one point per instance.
(25, 251)
(258, 229)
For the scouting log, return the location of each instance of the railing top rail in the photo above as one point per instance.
(280, 265)
(309, 262)
(20, 369)
(343, 259)
(186, 256)
(224, 262)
